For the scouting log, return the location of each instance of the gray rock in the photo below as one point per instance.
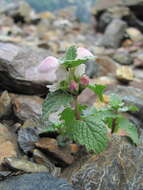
(104, 4)
(24, 165)
(27, 137)
(123, 57)
(17, 69)
(114, 33)
(119, 168)
(43, 159)
(41, 181)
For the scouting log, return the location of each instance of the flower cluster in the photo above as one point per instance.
(74, 78)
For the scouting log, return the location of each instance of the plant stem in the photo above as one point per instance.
(77, 112)
(113, 126)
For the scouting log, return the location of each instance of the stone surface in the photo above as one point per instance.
(8, 145)
(51, 146)
(24, 165)
(27, 107)
(106, 66)
(27, 137)
(120, 167)
(134, 34)
(17, 69)
(124, 73)
(5, 105)
(37, 181)
(114, 34)
(41, 158)
(123, 57)
(103, 4)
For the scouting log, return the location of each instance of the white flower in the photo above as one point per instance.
(54, 87)
(83, 53)
(80, 70)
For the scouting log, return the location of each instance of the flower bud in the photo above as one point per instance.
(83, 52)
(84, 80)
(73, 85)
(49, 64)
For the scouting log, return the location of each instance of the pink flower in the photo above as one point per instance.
(49, 64)
(84, 80)
(83, 52)
(73, 86)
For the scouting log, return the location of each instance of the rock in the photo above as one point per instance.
(104, 18)
(134, 34)
(138, 73)
(103, 4)
(27, 137)
(24, 165)
(17, 69)
(119, 167)
(27, 107)
(37, 181)
(40, 158)
(123, 57)
(106, 66)
(8, 145)
(114, 34)
(136, 84)
(124, 73)
(131, 96)
(5, 105)
(50, 146)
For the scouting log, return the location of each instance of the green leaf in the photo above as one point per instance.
(115, 101)
(133, 108)
(91, 133)
(54, 101)
(129, 128)
(71, 53)
(68, 115)
(73, 63)
(98, 89)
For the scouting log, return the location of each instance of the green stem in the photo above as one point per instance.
(77, 112)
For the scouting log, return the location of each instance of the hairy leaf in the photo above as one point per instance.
(115, 101)
(54, 101)
(98, 89)
(91, 133)
(129, 129)
(67, 115)
(71, 53)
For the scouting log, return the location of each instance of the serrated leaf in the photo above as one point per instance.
(129, 129)
(71, 53)
(115, 101)
(98, 89)
(91, 133)
(54, 101)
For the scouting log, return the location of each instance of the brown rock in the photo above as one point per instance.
(8, 146)
(27, 107)
(5, 104)
(106, 66)
(50, 145)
